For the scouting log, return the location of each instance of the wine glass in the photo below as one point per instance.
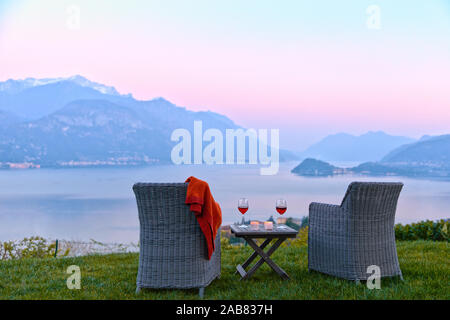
(281, 206)
(243, 207)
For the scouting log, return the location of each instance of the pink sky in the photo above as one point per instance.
(307, 75)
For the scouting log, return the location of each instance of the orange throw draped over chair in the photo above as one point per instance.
(206, 209)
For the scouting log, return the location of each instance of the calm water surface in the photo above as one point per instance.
(83, 204)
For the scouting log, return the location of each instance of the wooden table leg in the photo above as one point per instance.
(265, 257)
(254, 255)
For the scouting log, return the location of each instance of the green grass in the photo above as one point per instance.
(425, 266)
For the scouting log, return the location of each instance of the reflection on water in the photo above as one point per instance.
(82, 204)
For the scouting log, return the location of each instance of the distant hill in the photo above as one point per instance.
(100, 132)
(404, 169)
(379, 169)
(74, 121)
(371, 146)
(431, 150)
(314, 167)
(34, 102)
(89, 131)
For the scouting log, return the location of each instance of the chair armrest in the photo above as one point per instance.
(316, 208)
(326, 217)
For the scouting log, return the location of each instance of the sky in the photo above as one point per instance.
(308, 68)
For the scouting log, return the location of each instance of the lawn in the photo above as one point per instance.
(425, 266)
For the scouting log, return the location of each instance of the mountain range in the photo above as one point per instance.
(74, 121)
(32, 98)
(371, 146)
(428, 157)
(428, 150)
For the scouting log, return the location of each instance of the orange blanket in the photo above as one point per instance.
(206, 210)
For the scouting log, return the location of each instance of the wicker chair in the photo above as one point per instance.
(344, 240)
(173, 250)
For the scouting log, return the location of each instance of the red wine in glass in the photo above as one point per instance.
(281, 206)
(281, 210)
(243, 206)
(243, 210)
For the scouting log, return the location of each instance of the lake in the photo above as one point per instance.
(83, 204)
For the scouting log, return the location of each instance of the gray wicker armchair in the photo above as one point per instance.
(344, 240)
(173, 250)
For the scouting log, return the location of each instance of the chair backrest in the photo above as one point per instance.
(162, 208)
(173, 252)
(372, 200)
